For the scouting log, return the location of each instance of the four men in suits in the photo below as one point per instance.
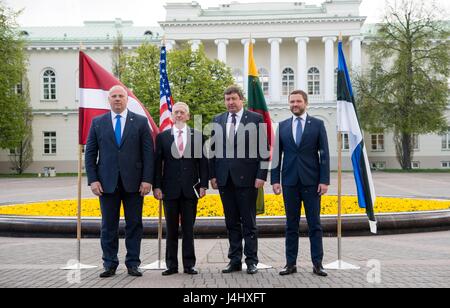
(120, 168)
(303, 146)
(180, 166)
(236, 170)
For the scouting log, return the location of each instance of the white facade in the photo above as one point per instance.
(291, 40)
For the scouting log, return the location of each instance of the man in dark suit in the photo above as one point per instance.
(120, 168)
(236, 169)
(180, 165)
(303, 144)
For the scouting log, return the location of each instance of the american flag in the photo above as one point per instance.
(166, 100)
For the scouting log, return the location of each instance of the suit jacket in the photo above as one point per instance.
(176, 175)
(243, 169)
(310, 162)
(133, 160)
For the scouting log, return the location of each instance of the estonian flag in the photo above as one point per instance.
(348, 123)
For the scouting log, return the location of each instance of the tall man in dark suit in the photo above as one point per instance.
(120, 168)
(237, 171)
(180, 165)
(303, 144)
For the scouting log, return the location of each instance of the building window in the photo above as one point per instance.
(49, 85)
(416, 142)
(415, 165)
(378, 143)
(264, 79)
(313, 81)
(12, 152)
(345, 142)
(18, 89)
(379, 165)
(288, 82)
(50, 143)
(445, 164)
(238, 78)
(446, 141)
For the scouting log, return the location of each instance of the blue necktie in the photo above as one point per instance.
(118, 130)
(299, 133)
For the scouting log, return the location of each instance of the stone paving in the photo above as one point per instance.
(416, 260)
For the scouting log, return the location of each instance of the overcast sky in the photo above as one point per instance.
(142, 12)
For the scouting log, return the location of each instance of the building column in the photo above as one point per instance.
(356, 42)
(246, 43)
(222, 49)
(302, 63)
(275, 70)
(329, 68)
(170, 44)
(195, 45)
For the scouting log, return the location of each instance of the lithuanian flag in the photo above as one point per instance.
(257, 103)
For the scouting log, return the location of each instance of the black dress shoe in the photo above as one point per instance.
(108, 273)
(170, 271)
(190, 271)
(134, 271)
(252, 269)
(319, 271)
(232, 268)
(289, 270)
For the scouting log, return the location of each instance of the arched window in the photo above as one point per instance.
(313, 81)
(288, 82)
(264, 79)
(49, 85)
(238, 78)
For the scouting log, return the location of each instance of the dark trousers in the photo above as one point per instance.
(110, 206)
(239, 206)
(293, 199)
(185, 210)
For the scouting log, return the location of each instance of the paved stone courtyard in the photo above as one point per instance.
(416, 260)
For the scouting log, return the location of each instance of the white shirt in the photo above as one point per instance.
(295, 123)
(176, 132)
(123, 119)
(238, 121)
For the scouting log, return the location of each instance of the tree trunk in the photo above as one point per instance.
(404, 148)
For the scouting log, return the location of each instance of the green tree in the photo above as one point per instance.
(406, 89)
(118, 56)
(14, 106)
(195, 80)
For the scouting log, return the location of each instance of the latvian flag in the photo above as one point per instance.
(166, 100)
(95, 83)
(348, 123)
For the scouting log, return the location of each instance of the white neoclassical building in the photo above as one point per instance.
(295, 48)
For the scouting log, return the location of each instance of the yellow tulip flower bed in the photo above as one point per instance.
(211, 206)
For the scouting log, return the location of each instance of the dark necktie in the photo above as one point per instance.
(299, 133)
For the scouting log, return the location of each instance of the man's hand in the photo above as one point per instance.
(145, 189)
(97, 189)
(259, 183)
(202, 193)
(277, 189)
(157, 193)
(323, 189)
(214, 183)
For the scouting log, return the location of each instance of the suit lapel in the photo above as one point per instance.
(242, 124)
(306, 130)
(129, 124)
(290, 133)
(109, 128)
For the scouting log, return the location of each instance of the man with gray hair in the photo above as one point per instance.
(181, 178)
(120, 167)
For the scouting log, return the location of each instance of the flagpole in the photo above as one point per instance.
(78, 265)
(340, 264)
(158, 265)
